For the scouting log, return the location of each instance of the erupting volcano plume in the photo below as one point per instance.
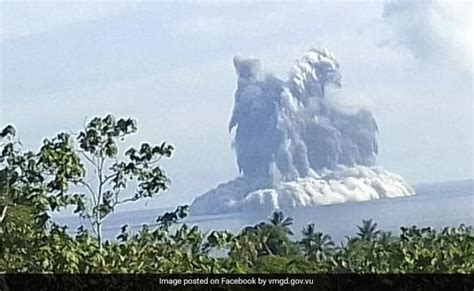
(294, 148)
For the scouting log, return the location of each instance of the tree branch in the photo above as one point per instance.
(155, 161)
(107, 178)
(89, 159)
(4, 213)
(88, 187)
(131, 199)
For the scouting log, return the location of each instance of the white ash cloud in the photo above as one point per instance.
(344, 184)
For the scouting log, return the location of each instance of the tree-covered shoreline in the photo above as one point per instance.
(266, 247)
(34, 184)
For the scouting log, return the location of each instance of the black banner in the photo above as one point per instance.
(452, 282)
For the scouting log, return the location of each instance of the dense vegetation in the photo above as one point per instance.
(89, 173)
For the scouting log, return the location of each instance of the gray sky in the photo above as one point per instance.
(170, 67)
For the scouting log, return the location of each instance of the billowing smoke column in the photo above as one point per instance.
(291, 126)
(294, 147)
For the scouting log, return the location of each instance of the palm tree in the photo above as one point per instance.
(270, 238)
(279, 220)
(368, 230)
(316, 244)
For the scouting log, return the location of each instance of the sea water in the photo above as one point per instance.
(436, 205)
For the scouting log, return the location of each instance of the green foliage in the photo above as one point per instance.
(264, 239)
(99, 146)
(415, 250)
(32, 185)
(317, 247)
(85, 171)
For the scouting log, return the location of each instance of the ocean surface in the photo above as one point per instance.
(436, 205)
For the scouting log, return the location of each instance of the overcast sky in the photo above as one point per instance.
(170, 67)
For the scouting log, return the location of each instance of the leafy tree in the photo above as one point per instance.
(58, 176)
(99, 146)
(28, 194)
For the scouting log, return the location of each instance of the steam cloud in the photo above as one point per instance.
(432, 30)
(295, 148)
